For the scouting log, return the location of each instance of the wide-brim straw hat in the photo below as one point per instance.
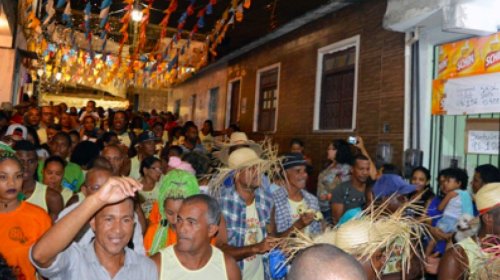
(488, 197)
(266, 163)
(243, 158)
(376, 229)
(6, 106)
(237, 139)
(350, 237)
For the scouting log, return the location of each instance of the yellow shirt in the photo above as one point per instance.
(294, 206)
(38, 197)
(172, 268)
(208, 141)
(66, 194)
(135, 165)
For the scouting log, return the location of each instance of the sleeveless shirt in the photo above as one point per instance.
(38, 197)
(171, 267)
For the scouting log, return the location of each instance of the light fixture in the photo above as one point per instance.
(39, 72)
(58, 76)
(136, 13)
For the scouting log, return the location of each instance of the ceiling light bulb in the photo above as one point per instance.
(136, 15)
(58, 76)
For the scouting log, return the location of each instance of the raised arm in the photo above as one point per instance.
(362, 148)
(56, 239)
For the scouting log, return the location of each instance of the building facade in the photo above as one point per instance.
(336, 76)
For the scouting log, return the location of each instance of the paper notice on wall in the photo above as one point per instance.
(483, 142)
(472, 95)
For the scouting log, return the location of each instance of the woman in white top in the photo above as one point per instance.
(151, 171)
(207, 135)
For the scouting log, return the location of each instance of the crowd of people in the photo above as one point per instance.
(104, 194)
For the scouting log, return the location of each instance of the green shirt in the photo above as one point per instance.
(73, 176)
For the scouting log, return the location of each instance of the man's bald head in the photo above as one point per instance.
(325, 262)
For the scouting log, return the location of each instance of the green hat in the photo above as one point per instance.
(177, 184)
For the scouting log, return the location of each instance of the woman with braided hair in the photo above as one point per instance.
(22, 222)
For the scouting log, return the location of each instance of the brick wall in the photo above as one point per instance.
(380, 80)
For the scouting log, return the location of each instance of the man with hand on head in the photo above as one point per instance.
(94, 180)
(111, 214)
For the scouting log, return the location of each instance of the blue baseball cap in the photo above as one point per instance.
(389, 184)
(147, 135)
(293, 159)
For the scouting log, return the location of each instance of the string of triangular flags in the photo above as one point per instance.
(161, 63)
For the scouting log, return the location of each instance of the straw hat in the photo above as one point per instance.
(243, 158)
(265, 160)
(488, 197)
(376, 229)
(6, 106)
(237, 139)
(350, 237)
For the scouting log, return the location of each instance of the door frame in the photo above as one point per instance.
(228, 100)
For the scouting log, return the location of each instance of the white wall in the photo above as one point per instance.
(7, 58)
(429, 37)
(201, 87)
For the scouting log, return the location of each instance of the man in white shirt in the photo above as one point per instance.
(110, 211)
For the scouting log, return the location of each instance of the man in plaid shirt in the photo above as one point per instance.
(246, 205)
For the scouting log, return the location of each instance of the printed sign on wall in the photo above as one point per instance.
(482, 136)
(470, 95)
(483, 142)
(467, 75)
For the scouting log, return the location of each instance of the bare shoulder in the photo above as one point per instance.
(232, 268)
(454, 264)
